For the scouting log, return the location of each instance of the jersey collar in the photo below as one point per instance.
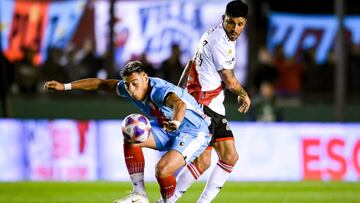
(223, 33)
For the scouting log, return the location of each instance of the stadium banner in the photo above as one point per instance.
(37, 25)
(93, 150)
(64, 150)
(151, 27)
(296, 32)
(12, 150)
(296, 151)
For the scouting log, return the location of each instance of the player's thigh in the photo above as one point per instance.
(219, 127)
(169, 163)
(158, 138)
(161, 139)
(226, 150)
(149, 143)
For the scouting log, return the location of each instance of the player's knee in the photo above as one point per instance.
(230, 158)
(129, 144)
(162, 170)
(202, 164)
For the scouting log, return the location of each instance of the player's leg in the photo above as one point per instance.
(226, 151)
(224, 145)
(227, 159)
(184, 149)
(203, 162)
(165, 168)
(191, 172)
(135, 163)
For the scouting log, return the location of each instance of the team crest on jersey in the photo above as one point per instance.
(229, 51)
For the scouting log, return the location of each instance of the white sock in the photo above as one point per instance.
(137, 180)
(215, 182)
(172, 199)
(187, 176)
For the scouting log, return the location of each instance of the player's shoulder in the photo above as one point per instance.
(160, 88)
(216, 36)
(120, 88)
(120, 83)
(157, 82)
(159, 85)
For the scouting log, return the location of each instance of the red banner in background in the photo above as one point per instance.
(27, 30)
(331, 158)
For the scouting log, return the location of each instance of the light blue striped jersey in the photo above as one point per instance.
(154, 104)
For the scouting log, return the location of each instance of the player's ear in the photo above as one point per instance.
(223, 17)
(146, 77)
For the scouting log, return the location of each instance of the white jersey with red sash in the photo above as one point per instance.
(215, 52)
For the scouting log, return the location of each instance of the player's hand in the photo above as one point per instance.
(244, 102)
(171, 125)
(54, 85)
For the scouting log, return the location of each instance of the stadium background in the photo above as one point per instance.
(76, 136)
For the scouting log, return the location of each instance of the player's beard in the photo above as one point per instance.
(233, 36)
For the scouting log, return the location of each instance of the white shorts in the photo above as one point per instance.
(189, 144)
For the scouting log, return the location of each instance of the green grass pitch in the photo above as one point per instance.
(238, 192)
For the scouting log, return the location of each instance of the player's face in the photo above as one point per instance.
(136, 84)
(233, 26)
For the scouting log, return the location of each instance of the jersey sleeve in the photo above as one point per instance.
(223, 56)
(120, 89)
(160, 94)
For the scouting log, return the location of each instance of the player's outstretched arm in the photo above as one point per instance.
(232, 84)
(84, 84)
(185, 74)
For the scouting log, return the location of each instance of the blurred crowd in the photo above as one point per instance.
(300, 75)
(275, 75)
(24, 77)
(280, 81)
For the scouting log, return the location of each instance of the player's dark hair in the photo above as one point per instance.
(237, 9)
(132, 67)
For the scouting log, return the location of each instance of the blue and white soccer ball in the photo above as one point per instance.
(136, 128)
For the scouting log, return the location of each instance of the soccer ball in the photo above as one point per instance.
(136, 128)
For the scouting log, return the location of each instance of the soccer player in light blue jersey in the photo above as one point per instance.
(180, 127)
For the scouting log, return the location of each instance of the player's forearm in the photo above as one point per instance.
(237, 89)
(240, 91)
(184, 76)
(231, 83)
(86, 84)
(179, 111)
(183, 80)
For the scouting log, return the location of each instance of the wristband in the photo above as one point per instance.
(177, 123)
(67, 86)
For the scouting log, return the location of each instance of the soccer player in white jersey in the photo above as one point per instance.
(205, 78)
(180, 127)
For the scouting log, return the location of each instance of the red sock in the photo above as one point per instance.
(167, 186)
(134, 159)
